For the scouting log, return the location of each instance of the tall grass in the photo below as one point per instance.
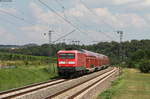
(111, 91)
(14, 57)
(7, 59)
(21, 76)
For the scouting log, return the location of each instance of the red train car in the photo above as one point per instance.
(74, 62)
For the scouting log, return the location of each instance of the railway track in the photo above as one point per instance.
(58, 88)
(75, 91)
(27, 89)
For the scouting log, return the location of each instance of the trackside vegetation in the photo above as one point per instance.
(26, 75)
(112, 49)
(13, 57)
(8, 59)
(141, 60)
(131, 85)
(33, 64)
(17, 70)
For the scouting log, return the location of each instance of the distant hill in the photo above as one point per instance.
(10, 46)
(30, 45)
(18, 46)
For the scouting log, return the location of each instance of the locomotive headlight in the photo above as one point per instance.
(71, 62)
(62, 62)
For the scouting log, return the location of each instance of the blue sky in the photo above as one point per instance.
(26, 21)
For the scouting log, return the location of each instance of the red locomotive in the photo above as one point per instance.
(75, 62)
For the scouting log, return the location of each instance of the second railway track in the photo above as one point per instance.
(27, 89)
(75, 91)
(60, 88)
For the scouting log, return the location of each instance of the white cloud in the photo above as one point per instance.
(104, 18)
(43, 16)
(144, 3)
(9, 10)
(120, 2)
(77, 11)
(110, 2)
(147, 16)
(132, 20)
(121, 20)
(139, 5)
(6, 36)
(35, 33)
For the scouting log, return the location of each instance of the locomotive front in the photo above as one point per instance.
(66, 62)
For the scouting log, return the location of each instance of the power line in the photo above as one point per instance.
(108, 36)
(95, 15)
(19, 18)
(64, 36)
(62, 6)
(62, 17)
(91, 11)
(4, 20)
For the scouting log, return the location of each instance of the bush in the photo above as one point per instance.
(144, 66)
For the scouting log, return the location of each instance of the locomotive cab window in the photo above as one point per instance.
(67, 56)
(62, 56)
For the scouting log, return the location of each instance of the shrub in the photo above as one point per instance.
(144, 66)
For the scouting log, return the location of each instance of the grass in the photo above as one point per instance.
(131, 85)
(25, 75)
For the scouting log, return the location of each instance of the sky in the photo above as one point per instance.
(26, 21)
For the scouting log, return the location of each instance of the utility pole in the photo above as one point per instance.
(49, 36)
(76, 42)
(121, 46)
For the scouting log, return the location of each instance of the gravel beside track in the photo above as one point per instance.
(55, 88)
(76, 90)
(23, 90)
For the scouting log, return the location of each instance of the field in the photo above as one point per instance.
(8, 59)
(24, 75)
(131, 85)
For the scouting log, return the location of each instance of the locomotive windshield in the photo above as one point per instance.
(67, 56)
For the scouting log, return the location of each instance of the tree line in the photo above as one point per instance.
(132, 51)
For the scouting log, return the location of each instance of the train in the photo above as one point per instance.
(76, 62)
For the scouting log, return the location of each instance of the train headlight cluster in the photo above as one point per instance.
(62, 62)
(71, 62)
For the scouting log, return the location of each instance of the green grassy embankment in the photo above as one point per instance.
(25, 75)
(131, 85)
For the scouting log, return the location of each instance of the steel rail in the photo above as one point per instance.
(5, 94)
(89, 86)
(63, 91)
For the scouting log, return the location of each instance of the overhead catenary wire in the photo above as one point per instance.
(76, 19)
(15, 16)
(5, 20)
(93, 13)
(64, 36)
(62, 6)
(57, 14)
(107, 35)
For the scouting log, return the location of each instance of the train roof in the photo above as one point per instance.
(88, 53)
(67, 51)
